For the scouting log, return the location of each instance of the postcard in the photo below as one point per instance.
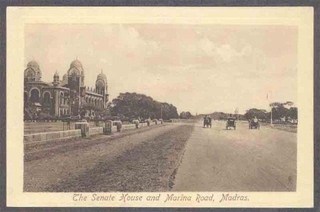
(160, 107)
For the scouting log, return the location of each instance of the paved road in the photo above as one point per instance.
(238, 160)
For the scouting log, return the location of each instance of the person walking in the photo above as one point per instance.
(205, 121)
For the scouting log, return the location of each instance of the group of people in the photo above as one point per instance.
(253, 120)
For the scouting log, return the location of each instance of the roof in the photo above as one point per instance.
(33, 64)
(76, 64)
(102, 76)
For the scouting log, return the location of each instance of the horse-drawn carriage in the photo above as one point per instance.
(231, 123)
(254, 124)
(207, 122)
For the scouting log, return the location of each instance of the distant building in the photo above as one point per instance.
(66, 97)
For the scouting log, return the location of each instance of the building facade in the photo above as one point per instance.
(66, 97)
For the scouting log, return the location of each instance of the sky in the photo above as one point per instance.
(197, 68)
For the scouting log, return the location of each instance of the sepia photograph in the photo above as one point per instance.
(160, 107)
(187, 112)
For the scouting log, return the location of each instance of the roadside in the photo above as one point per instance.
(136, 162)
(51, 148)
(284, 127)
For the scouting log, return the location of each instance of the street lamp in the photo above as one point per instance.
(271, 105)
(271, 115)
(237, 113)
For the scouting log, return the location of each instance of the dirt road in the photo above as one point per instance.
(139, 160)
(238, 160)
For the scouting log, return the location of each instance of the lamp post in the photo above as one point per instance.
(271, 115)
(237, 113)
(271, 106)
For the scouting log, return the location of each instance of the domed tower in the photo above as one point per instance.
(76, 85)
(64, 79)
(56, 79)
(32, 72)
(76, 76)
(102, 86)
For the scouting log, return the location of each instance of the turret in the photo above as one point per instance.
(56, 79)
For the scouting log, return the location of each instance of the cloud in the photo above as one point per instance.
(131, 43)
(223, 52)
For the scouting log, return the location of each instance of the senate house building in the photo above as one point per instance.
(64, 97)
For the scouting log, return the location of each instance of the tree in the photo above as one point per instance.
(279, 110)
(133, 105)
(185, 115)
(293, 113)
(254, 112)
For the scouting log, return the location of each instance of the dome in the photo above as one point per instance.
(33, 64)
(77, 64)
(65, 77)
(33, 72)
(102, 76)
(56, 74)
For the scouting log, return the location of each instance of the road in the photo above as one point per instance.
(238, 160)
(136, 160)
(169, 157)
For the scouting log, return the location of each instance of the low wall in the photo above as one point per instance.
(183, 120)
(49, 136)
(58, 135)
(143, 125)
(95, 130)
(128, 126)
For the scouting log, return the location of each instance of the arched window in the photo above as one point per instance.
(61, 99)
(35, 95)
(46, 98)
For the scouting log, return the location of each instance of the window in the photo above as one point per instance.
(61, 99)
(46, 98)
(35, 95)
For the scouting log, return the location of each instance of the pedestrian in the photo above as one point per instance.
(205, 121)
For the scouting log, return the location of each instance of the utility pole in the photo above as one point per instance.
(271, 116)
(237, 113)
(161, 111)
(271, 106)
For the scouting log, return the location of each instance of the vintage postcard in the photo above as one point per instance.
(160, 107)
